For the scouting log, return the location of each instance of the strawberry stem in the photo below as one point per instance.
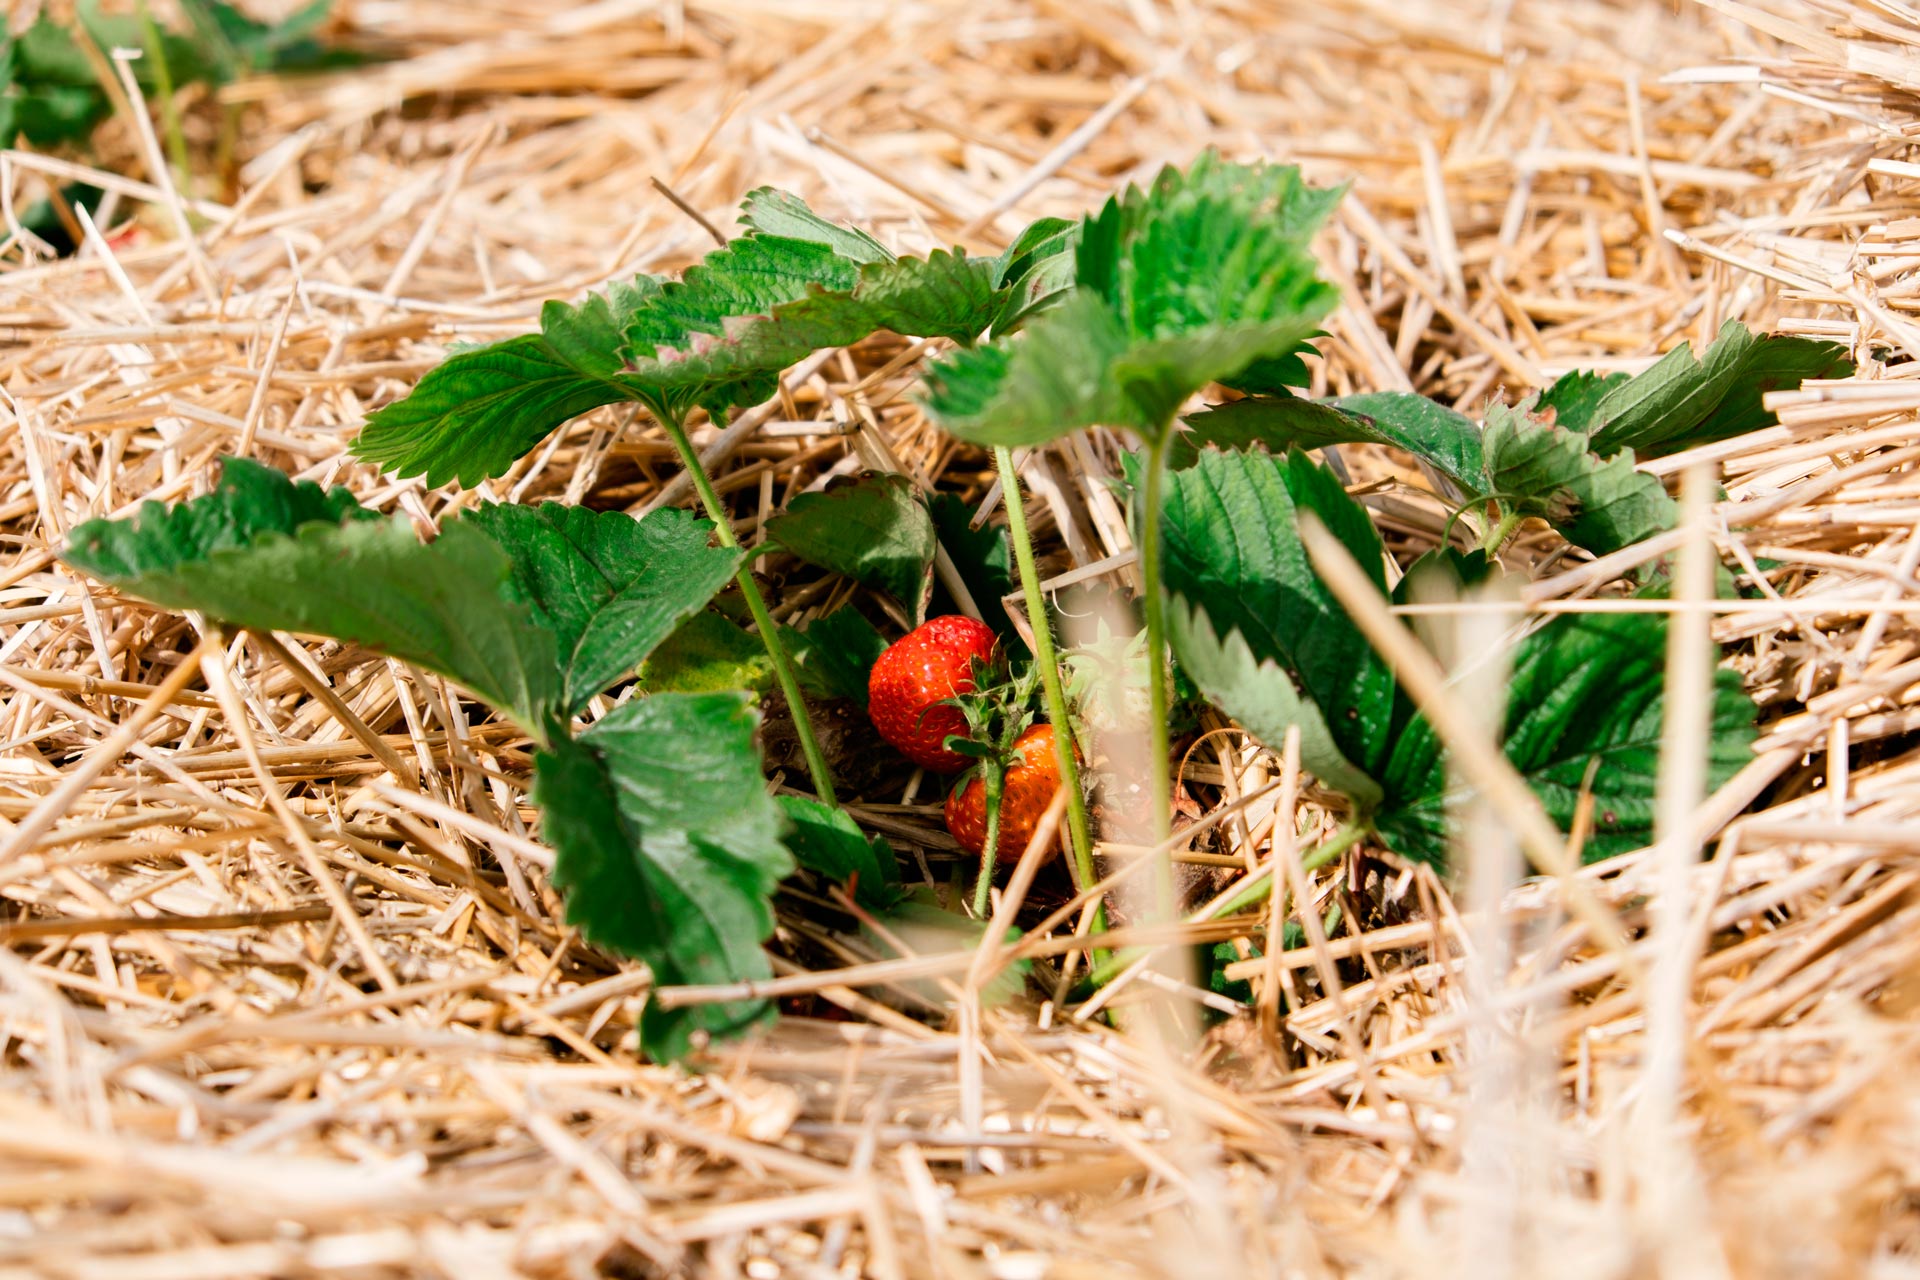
(994, 776)
(676, 430)
(1044, 657)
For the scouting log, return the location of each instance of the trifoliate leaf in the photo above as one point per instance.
(981, 556)
(773, 212)
(1262, 698)
(669, 850)
(764, 302)
(607, 587)
(259, 553)
(876, 531)
(1539, 469)
(827, 840)
(1585, 688)
(833, 655)
(1682, 401)
(1233, 552)
(1195, 280)
(472, 418)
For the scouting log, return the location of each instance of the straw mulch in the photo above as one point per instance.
(362, 1041)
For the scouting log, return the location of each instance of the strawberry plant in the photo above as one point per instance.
(665, 838)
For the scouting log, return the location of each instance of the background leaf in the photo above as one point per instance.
(1543, 470)
(669, 849)
(475, 415)
(253, 554)
(835, 653)
(826, 840)
(1262, 699)
(1585, 688)
(1233, 551)
(708, 653)
(1682, 401)
(606, 586)
(876, 531)
(773, 212)
(981, 556)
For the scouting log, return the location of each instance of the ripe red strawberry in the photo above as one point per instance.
(1033, 775)
(905, 692)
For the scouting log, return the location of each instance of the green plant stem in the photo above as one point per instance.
(1160, 776)
(996, 785)
(163, 89)
(756, 605)
(1080, 840)
(1498, 535)
(1327, 851)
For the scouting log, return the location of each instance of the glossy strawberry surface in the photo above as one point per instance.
(905, 692)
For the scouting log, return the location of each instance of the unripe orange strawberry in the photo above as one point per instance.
(1033, 775)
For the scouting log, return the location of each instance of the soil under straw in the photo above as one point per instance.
(364, 1042)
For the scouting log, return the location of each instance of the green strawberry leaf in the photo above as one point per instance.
(717, 337)
(1574, 397)
(772, 212)
(474, 416)
(1539, 469)
(981, 556)
(264, 553)
(1585, 688)
(706, 654)
(826, 840)
(1449, 441)
(669, 850)
(875, 530)
(1262, 698)
(1197, 279)
(607, 587)
(834, 655)
(1036, 270)
(1683, 401)
(1233, 553)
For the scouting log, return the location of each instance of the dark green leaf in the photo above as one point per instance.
(1682, 401)
(669, 850)
(472, 417)
(607, 587)
(826, 840)
(263, 553)
(1574, 397)
(1447, 440)
(875, 530)
(764, 302)
(773, 212)
(1262, 698)
(707, 654)
(1539, 469)
(1233, 552)
(981, 556)
(1276, 423)
(835, 654)
(1586, 690)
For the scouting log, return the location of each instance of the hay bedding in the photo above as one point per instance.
(364, 1043)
